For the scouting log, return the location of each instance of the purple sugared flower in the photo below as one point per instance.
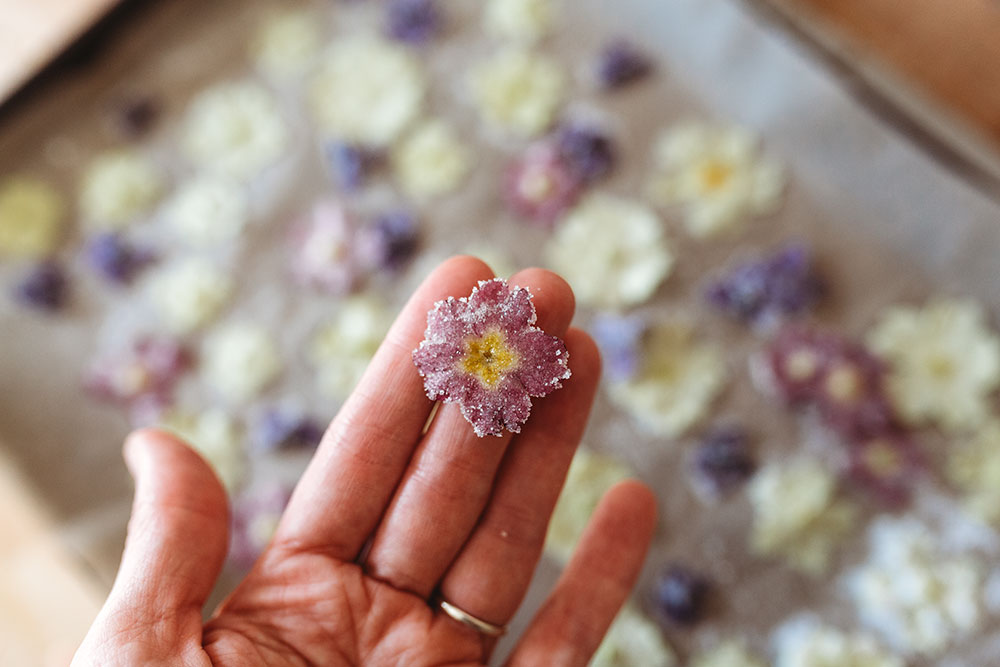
(794, 363)
(324, 253)
(389, 241)
(44, 287)
(681, 595)
(412, 21)
(851, 395)
(540, 186)
(765, 292)
(148, 370)
(349, 165)
(886, 466)
(620, 341)
(586, 151)
(116, 259)
(255, 518)
(723, 460)
(620, 64)
(280, 429)
(485, 353)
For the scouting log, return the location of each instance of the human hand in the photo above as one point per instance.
(446, 514)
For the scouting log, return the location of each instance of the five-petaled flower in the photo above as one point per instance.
(484, 352)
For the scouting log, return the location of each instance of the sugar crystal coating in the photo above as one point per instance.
(484, 352)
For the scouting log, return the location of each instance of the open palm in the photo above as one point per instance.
(385, 521)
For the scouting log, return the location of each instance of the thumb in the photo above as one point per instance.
(176, 544)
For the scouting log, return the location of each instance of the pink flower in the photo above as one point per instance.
(148, 369)
(484, 352)
(541, 186)
(886, 466)
(324, 249)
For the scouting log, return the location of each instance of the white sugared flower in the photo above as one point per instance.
(367, 91)
(521, 20)
(716, 174)
(117, 187)
(613, 251)
(208, 211)
(590, 476)
(806, 642)
(974, 469)
(918, 598)
(731, 653)
(234, 129)
(343, 347)
(288, 41)
(633, 640)
(31, 217)
(518, 92)
(239, 361)
(944, 359)
(217, 437)
(188, 293)
(798, 515)
(431, 160)
(677, 379)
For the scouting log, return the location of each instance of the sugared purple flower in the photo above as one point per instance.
(148, 369)
(485, 353)
(794, 364)
(851, 394)
(540, 186)
(723, 460)
(278, 429)
(886, 466)
(349, 164)
(255, 518)
(324, 253)
(389, 241)
(620, 341)
(586, 151)
(44, 287)
(115, 259)
(621, 64)
(681, 595)
(412, 21)
(763, 293)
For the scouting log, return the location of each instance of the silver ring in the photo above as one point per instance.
(465, 618)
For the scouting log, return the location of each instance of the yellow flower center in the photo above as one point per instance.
(882, 459)
(843, 384)
(801, 365)
(715, 174)
(941, 366)
(488, 358)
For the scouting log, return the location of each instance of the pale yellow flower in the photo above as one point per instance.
(974, 468)
(239, 360)
(188, 293)
(431, 160)
(731, 653)
(806, 642)
(208, 211)
(217, 437)
(521, 20)
(633, 640)
(31, 217)
(118, 187)
(518, 91)
(287, 41)
(342, 348)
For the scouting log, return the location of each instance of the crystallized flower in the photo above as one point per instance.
(797, 514)
(367, 91)
(256, 513)
(918, 598)
(485, 353)
(234, 129)
(208, 211)
(681, 595)
(806, 642)
(239, 361)
(343, 347)
(388, 241)
(412, 21)
(278, 429)
(540, 185)
(117, 187)
(612, 251)
(31, 216)
(620, 64)
(886, 466)
(188, 293)
(116, 259)
(150, 365)
(523, 20)
(431, 160)
(324, 255)
(716, 174)
(944, 359)
(518, 92)
(620, 341)
(633, 641)
(974, 469)
(349, 164)
(722, 461)
(766, 292)
(214, 435)
(288, 41)
(677, 381)
(731, 653)
(589, 477)
(44, 287)
(587, 152)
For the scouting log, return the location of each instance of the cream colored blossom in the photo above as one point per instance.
(798, 515)
(918, 598)
(730, 653)
(188, 293)
(678, 378)
(343, 347)
(716, 174)
(613, 251)
(518, 91)
(522, 20)
(117, 187)
(367, 91)
(31, 217)
(431, 160)
(633, 640)
(945, 362)
(234, 129)
(806, 642)
(974, 468)
(217, 437)
(208, 211)
(239, 360)
(288, 41)
(590, 476)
